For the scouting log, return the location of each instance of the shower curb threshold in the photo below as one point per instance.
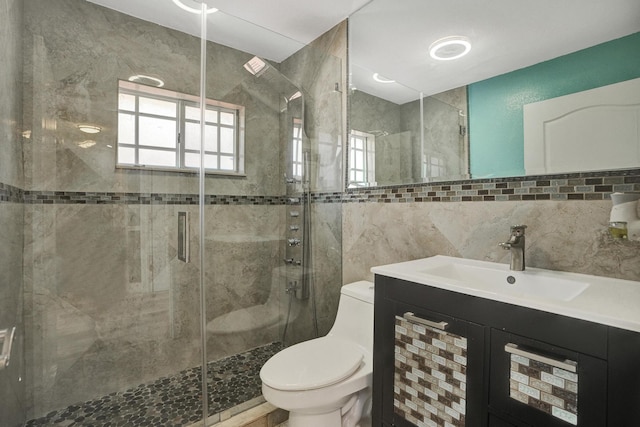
(255, 412)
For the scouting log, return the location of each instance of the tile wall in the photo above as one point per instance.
(567, 216)
(107, 304)
(12, 404)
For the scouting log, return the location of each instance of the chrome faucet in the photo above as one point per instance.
(516, 245)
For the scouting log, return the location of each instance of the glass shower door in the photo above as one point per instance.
(111, 312)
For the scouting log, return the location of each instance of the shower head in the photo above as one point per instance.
(256, 66)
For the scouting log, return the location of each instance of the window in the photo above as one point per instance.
(433, 167)
(296, 145)
(361, 159)
(160, 129)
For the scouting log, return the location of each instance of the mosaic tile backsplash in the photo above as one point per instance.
(575, 186)
(544, 387)
(430, 375)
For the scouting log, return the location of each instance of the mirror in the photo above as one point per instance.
(391, 76)
(420, 140)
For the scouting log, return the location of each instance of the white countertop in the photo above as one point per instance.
(612, 302)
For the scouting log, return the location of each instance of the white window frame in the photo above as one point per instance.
(296, 149)
(367, 157)
(182, 101)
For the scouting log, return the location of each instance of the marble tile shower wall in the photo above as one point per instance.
(316, 69)
(12, 405)
(111, 306)
(397, 127)
(75, 52)
(108, 305)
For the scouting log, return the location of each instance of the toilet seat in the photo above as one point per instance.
(312, 364)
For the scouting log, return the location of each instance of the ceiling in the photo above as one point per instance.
(392, 37)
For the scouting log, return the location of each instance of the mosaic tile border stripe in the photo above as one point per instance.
(11, 194)
(579, 186)
(111, 198)
(544, 387)
(430, 375)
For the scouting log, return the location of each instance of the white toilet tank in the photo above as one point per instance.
(354, 321)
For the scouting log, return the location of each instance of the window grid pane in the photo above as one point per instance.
(296, 142)
(148, 132)
(360, 149)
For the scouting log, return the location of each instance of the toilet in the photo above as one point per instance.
(326, 382)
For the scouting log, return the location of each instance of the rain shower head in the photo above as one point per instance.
(256, 66)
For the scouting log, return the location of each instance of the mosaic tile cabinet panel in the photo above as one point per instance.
(545, 387)
(430, 378)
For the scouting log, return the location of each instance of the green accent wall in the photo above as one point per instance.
(496, 104)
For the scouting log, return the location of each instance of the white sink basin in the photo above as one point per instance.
(498, 279)
(605, 300)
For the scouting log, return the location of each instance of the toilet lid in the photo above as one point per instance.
(312, 364)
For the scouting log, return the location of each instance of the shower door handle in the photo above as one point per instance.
(6, 342)
(183, 236)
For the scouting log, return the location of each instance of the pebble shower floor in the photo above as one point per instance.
(172, 401)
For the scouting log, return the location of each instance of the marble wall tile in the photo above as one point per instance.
(12, 394)
(110, 306)
(12, 400)
(398, 151)
(11, 16)
(445, 148)
(317, 69)
(326, 263)
(75, 53)
(564, 235)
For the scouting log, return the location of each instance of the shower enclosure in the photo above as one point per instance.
(106, 301)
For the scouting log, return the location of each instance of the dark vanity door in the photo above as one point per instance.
(432, 368)
(545, 385)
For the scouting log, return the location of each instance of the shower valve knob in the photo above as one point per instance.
(294, 242)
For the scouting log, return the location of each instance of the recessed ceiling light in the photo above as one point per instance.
(90, 128)
(377, 77)
(195, 8)
(448, 48)
(146, 80)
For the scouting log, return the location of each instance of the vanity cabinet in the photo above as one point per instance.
(522, 367)
(436, 362)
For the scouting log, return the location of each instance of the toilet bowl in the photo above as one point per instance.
(326, 382)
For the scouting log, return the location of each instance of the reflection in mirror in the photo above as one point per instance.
(396, 142)
(384, 40)
(497, 106)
